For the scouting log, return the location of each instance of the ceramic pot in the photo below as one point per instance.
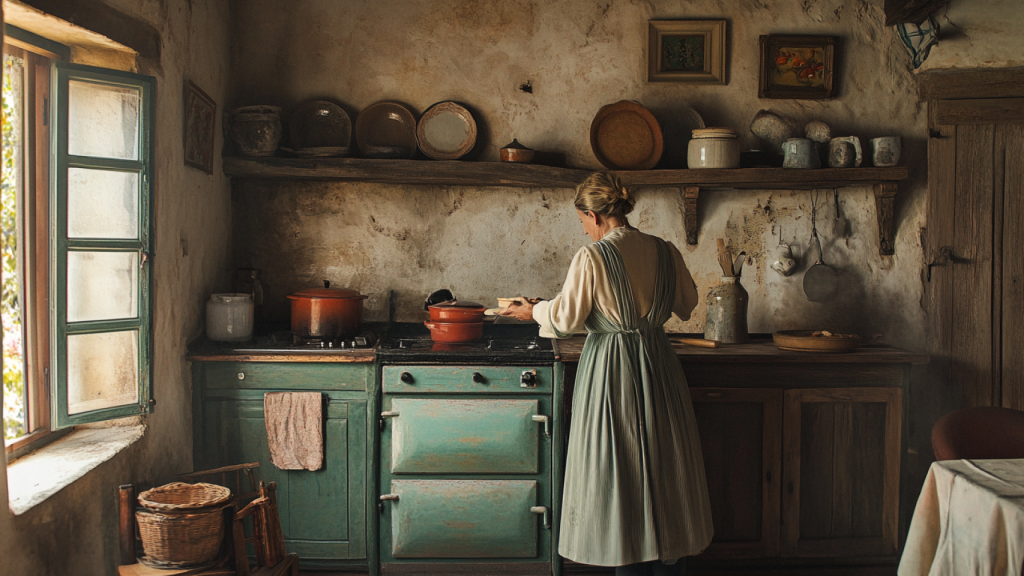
(885, 151)
(454, 332)
(841, 153)
(457, 312)
(713, 153)
(229, 317)
(329, 313)
(256, 130)
(800, 153)
(727, 312)
(784, 262)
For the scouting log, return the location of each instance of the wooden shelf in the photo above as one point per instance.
(455, 173)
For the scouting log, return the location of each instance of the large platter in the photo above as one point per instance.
(805, 341)
(626, 136)
(319, 124)
(447, 131)
(386, 130)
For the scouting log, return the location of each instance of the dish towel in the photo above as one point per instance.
(295, 429)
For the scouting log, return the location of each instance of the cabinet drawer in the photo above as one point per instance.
(287, 375)
(465, 379)
(463, 519)
(480, 436)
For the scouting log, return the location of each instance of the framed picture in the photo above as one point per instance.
(798, 67)
(200, 117)
(691, 51)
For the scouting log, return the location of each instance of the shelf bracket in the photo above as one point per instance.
(885, 211)
(690, 194)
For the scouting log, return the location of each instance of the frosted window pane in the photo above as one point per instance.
(103, 370)
(103, 121)
(102, 285)
(102, 204)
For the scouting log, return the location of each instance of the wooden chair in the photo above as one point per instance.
(259, 503)
(979, 433)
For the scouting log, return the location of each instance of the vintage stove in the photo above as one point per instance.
(469, 444)
(288, 343)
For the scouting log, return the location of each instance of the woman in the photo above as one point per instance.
(635, 495)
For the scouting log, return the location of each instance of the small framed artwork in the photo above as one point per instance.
(798, 67)
(691, 51)
(200, 119)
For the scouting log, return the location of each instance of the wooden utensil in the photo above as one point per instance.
(699, 342)
(724, 258)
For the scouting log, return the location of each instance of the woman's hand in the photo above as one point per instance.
(521, 308)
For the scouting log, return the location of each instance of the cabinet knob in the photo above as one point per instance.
(479, 378)
(406, 377)
(241, 375)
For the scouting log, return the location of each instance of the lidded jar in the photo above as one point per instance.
(727, 312)
(713, 148)
(229, 317)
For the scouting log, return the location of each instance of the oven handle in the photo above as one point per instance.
(546, 515)
(389, 414)
(546, 421)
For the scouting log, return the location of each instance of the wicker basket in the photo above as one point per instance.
(182, 525)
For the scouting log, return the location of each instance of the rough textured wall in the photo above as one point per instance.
(578, 56)
(978, 34)
(75, 531)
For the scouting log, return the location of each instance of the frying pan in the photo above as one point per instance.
(820, 279)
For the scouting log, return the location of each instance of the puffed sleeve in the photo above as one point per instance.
(565, 314)
(686, 290)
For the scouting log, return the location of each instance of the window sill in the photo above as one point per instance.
(35, 477)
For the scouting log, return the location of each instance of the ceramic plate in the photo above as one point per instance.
(386, 130)
(319, 124)
(626, 136)
(447, 131)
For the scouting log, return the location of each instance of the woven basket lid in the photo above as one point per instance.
(183, 496)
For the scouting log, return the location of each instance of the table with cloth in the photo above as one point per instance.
(969, 519)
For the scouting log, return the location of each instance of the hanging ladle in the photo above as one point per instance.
(820, 278)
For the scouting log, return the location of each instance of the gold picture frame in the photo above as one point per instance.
(689, 51)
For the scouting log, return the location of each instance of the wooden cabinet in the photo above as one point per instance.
(801, 473)
(323, 512)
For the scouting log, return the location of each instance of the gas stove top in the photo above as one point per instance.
(500, 344)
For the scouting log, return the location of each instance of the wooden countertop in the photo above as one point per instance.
(760, 350)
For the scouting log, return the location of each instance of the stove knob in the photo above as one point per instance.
(479, 378)
(528, 379)
(407, 378)
(331, 345)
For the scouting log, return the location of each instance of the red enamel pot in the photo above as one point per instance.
(329, 313)
(455, 311)
(454, 332)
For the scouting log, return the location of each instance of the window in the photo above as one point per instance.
(76, 278)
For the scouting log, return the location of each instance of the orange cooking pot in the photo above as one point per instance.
(454, 332)
(456, 311)
(329, 313)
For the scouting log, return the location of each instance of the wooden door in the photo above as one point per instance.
(841, 472)
(975, 298)
(740, 431)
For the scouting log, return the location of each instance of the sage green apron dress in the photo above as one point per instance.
(635, 489)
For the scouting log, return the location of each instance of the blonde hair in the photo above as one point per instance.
(602, 193)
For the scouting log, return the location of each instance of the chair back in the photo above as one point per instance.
(267, 538)
(979, 433)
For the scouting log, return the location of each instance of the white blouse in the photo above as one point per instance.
(586, 284)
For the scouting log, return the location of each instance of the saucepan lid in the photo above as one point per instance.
(459, 304)
(328, 292)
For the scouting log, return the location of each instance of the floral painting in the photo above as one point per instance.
(798, 67)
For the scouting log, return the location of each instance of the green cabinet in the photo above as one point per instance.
(323, 512)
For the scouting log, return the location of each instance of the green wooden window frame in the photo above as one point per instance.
(62, 245)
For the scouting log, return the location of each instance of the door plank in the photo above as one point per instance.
(843, 470)
(817, 423)
(971, 352)
(979, 111)
(1013, 268)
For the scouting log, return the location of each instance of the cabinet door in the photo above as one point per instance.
(322, 512)
(841, 471)
(740, 431)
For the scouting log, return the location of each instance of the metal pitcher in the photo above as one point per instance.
(727, 312)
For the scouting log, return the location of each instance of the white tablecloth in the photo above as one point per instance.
(969, 520)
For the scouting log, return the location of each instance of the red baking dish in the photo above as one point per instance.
(454, 311)
(453, 332)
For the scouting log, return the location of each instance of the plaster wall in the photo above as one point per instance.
(75, 531)
(578, 56)
(981, 34)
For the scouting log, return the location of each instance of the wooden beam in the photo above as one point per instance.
(977, 83)
(979, 111)
(690, 226)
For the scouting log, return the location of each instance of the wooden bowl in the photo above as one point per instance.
(806, 341)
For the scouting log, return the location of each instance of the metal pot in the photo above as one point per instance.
(327, 312)
(454, 332)
(456, 312)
